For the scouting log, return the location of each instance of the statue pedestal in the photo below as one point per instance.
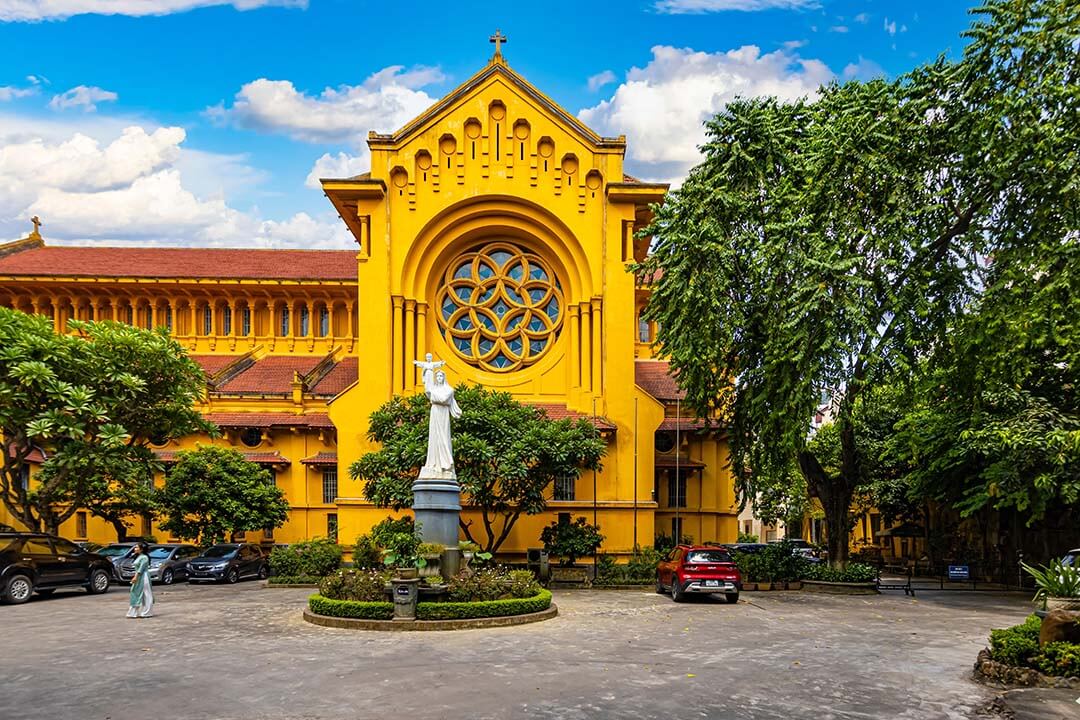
(437, 505)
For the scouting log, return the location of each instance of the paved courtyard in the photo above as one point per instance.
(244, 652)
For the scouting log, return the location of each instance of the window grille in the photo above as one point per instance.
(226, 318)
(329, 485)
(208, 320)
(677, 490)
(80, 524)
(324, 321)
(304, 316)
(564, 487)
(331, 526)
(245, 321)
(284, 322)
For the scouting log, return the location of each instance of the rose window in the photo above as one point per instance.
(500, 307)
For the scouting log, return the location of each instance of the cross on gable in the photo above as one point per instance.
(498, 38)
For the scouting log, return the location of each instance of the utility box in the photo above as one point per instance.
(537, 559)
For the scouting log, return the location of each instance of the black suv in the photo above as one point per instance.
(229, 562)
(35, 562)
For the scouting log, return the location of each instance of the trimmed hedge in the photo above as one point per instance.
(483, 609)
(431, 610)
(351, 608)
(294, 580)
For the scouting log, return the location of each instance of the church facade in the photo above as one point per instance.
(495, 232)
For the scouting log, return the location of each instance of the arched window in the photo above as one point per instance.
(284, 326)
(208, 320)
(304, 321)
(226, 320)
(643, 330)
(245, 321)
(324, 321)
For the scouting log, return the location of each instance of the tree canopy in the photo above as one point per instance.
(506, 455)
(90, 401)
(826, 244)
(213, 492)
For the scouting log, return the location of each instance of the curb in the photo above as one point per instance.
(839, 588)
(408, 625)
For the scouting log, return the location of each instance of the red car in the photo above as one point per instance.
(703, 569)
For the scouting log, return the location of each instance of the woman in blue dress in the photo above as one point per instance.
(141, 603)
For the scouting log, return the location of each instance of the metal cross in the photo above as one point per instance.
(498, 38)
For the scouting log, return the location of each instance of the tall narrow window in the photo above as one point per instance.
(643, 331)
(304, 320)
(226, 320)
(564, 487)
(80, 524)
(24, 477)
(129, 315)
(284, 329)
(168, 318)
(208, 320)
(677, 489)
(148, 318)
(329, 485)
(147, 526)
(331, 526)
(324, 321)
(245, 321)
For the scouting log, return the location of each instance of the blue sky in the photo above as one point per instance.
(203, 122)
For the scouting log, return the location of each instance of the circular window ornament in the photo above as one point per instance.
(252, 437)
(500, 307)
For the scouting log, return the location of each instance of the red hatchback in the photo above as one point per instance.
(703, 569)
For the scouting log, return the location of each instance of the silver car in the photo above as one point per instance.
(117, 553)
(168, 563)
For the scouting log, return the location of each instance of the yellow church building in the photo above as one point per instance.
(494, 231)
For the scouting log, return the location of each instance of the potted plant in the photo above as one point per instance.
(470, 550)
(402, 553)
(430, 554)
(1057, 586)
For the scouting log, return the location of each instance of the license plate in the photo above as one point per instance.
(712, 583)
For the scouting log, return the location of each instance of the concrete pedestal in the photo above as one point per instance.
(405, 592)
(437, 505)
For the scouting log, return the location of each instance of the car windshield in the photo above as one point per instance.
(5, 543)
(160, 553)
(114, 550)
(221, 551)
(708, 556)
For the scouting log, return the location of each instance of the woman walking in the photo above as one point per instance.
(141, 602)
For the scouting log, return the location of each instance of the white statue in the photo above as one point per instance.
(440, 453)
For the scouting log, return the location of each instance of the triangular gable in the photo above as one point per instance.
(496, 67)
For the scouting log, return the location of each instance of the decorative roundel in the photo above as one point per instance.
(500, 307)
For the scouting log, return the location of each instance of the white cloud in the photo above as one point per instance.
(82, 96)
(890, 27)
(661, 107)
(140, 186)
(862, 18)
(839, 29)
(32, 10)
(862, 70)
(793, 44)
(385, 101)
(341, 165)
(685, 7)
(10, 92)
(601, 79)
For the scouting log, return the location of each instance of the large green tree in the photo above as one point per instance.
(823, 244)
(91, 400)
(213, 492)
(506, 455)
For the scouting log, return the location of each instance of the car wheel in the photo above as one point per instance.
(167, 577)
(99, 582)
(676, 590)
(264, 572)
(19, 589)
(732, 598)
(233, 576)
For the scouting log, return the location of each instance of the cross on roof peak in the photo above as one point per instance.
(498, 38)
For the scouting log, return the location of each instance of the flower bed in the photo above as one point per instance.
(1018, 647)
(431, 610)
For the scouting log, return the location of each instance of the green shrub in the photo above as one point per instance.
(777, 562)
(608, 571)
(384, 529)
(571, 540)
(366, 553)
(745, 537)
(521, 584)
(314, 558)
(351, 608)
(295, 580)
(666, 543)
(1059, 659)
(359, 585)
(853, 573)
(640, 569)
(482, 609)
(483, 584)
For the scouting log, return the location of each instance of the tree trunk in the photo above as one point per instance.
(835, 494)
(121, 529)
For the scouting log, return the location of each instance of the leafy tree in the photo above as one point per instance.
(506, 455)
(822, 245)
(571, 540)
(91, 400)
(213, 492)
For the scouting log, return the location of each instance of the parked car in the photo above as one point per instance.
(230, 562)
(167, 563)
(116, 553)
(36, 562)
(1072, 558)
(745, 547)
(698, 569)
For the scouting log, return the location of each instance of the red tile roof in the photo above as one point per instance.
(267, 420)
(654, 377)
(340, 377)
(36, 454)
(182, 263)
(561, 412)
(684, 424)
(322, 458)
(263, 458)
(213, 364)
(271, 375)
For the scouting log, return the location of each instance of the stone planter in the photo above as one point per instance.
(432, 567)
(406, 573)
(572, 575)
(1062, 603)
(840, 588)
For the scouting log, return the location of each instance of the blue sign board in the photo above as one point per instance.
(959, 572)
